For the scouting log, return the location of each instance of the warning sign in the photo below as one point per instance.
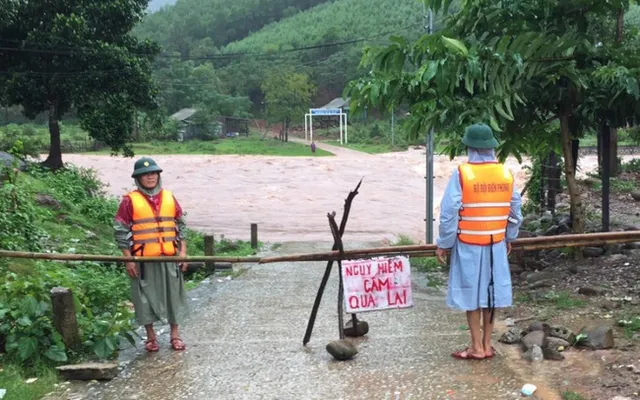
(377, 284)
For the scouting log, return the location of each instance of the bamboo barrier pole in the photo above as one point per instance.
(524, 244)
(92, 257)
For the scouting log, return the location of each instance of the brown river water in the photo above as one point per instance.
(289, 197)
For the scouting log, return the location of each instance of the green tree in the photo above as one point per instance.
(519, 65)
(287, 97)
(80, 54)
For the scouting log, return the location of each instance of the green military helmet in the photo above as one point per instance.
(144, 166)
(479, 136)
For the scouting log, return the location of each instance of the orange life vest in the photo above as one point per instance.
(486, 201)
(153, 234)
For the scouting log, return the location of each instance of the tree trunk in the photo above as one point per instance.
(605, 132)
(54, 161)
(553, 180)
(544, 183)
(599, 139)
(577, 217)
(619, 25)
(575, 150)
(613, 152)
(286, 130)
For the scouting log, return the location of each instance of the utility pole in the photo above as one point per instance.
(393, 134)
(429, 156)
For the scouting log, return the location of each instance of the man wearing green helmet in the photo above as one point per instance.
(479, 217)
(150, 223)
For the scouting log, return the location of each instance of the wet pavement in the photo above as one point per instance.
(244, 341)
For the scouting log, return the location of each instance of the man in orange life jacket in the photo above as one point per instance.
(479, 216)
(150, 223)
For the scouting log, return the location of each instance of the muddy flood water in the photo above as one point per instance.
(289, 197)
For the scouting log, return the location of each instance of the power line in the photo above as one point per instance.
(71, 74)
(224, 56)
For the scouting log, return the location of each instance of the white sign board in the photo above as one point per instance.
(377, 284)
(326, 111)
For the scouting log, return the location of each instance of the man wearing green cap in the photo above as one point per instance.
(479, 216)
(150, 223)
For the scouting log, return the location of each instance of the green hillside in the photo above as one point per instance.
(330, 66)
(239, 43)
(192, 27)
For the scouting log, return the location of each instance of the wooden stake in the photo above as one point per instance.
(327, 272)
(64, 317)
(254, 236)
(338, 241)
(210, 250)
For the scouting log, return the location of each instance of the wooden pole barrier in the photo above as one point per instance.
(524, 244)
(92, 257)
(210, 250)
(254, 236)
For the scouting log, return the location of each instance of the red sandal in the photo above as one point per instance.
(177, 344)
(465, 355)
(151, 345)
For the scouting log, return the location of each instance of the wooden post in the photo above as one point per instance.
(64, 317)
(254, 236)
(210, 250)
(605, 132)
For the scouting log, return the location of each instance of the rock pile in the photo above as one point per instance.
(542, 341)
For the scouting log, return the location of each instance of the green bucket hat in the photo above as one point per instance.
(144, 166)
(479, 136)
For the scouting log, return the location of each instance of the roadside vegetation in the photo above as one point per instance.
(63, 212)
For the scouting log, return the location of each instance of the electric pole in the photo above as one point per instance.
(429, 155)
(393, 123)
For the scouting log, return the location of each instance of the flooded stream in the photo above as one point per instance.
(289, 197)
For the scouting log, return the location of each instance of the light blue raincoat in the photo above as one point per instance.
(470, 270)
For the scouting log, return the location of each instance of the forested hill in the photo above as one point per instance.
(197, 27)
(330, 64)
(233, 45)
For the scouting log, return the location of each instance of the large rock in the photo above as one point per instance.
(556, 343)
(593, 252)
(89, 371)
(48, 201)
(562, 333)
(361, 328)
(541, 284)
(525, 234)
(590, 291)
(342, 350)
(632, 227)
(535, 338)
(538, 326)
(598, 337)
(512, 336)
(550, 353)
(7, 160)
(540, 276)
(534, 354)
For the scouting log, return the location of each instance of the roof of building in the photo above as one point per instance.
(338, 102)
(184, 114)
